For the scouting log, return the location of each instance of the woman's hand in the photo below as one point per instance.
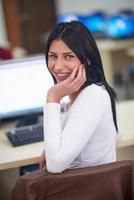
(42, 160)
(68, 86)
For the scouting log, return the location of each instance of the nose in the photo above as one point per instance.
(59, 64)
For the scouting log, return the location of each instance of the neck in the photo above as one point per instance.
(73, 97)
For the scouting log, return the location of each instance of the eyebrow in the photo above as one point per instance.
(66, 53)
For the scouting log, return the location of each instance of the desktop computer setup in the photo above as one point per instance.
(24, 84)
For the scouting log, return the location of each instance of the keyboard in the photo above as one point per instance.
(26, 134)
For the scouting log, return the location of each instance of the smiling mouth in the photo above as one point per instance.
(62, 76)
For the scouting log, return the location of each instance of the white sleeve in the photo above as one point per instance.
(62, 147)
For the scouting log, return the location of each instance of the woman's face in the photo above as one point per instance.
(61, 60)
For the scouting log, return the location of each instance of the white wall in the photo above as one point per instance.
(85, 6)
(3, 35)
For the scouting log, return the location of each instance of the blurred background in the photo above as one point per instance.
(24, 78)
(25, 25)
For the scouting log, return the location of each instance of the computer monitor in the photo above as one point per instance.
(23, 86)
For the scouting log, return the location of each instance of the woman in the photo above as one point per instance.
(87, 135)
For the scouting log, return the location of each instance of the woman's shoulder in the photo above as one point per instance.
(92, 95)
(95, 96)
(95, 91)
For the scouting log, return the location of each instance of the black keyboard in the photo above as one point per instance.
(26, 134)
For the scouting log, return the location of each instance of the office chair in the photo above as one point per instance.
(114, 181)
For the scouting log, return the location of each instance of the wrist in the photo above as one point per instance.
(51, 98)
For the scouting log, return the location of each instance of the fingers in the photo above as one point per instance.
(81, 77)
(77, 78)
(74, 82)
(80, 73)
(84, 74)
(73, 75)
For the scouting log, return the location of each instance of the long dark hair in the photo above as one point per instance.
(79, 39)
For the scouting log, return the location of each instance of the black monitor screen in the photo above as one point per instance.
(23, 86)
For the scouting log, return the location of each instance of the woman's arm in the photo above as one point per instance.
(62, 147)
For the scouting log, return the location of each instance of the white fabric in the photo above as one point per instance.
(85, 137)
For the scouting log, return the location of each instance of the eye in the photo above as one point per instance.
(68, 57)
(52, 56)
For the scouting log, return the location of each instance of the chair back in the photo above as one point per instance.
(114, 181)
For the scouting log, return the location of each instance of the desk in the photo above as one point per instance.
(13, 157)
(114, 56)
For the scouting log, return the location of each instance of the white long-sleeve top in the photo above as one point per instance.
(85, 137)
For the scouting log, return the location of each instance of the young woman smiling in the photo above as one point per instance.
(87, 134)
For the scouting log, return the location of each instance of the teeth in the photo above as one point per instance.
(63, 74)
